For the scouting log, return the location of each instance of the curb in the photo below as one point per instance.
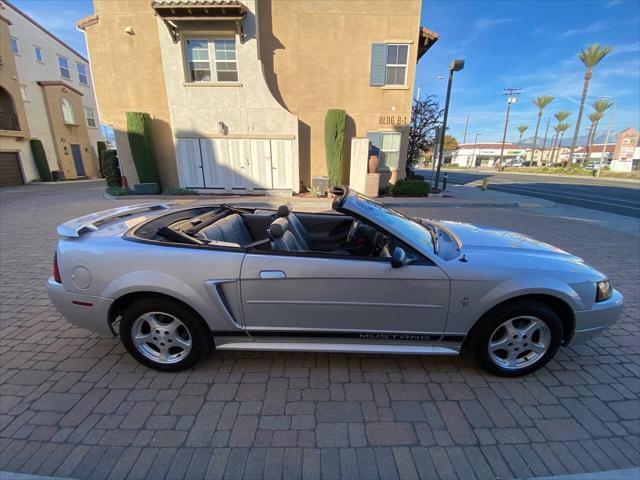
(611, 179)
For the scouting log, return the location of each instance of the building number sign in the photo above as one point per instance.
(393, 120)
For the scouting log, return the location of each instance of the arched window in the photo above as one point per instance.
(8, 116)
(67, 112)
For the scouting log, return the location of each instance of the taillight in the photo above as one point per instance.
(56, 270)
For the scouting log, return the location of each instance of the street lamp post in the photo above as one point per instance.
(455, 66)
(511, 98)
(473, 156)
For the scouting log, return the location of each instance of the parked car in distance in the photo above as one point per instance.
(174, 281)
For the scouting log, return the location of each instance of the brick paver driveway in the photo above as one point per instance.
(75, 404)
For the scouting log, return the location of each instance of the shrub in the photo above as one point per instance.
(40, 157)
(119, 191)
(415, 176)
(141, 143)
(179, 191)
(102, 146)
(334, 125)
(411, 188)
(111, 168)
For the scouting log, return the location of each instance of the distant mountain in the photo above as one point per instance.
(582, 140)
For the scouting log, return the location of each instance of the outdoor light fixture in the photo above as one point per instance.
(455, 66)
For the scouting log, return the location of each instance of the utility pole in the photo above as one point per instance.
(606, 139)
(466, 124)
(475, 144)
(511, 94)
(544, 143)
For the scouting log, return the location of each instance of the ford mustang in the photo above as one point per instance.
(176, 281)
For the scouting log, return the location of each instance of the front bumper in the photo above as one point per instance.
(590, 323)
(84, 311)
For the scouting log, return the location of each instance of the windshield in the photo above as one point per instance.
(384, 215)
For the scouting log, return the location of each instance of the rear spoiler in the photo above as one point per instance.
(90, 223)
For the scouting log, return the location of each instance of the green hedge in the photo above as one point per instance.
(334, 125)
(110, 168)
(40, 157)
(102, 146)
(142, 150)
(411, 188)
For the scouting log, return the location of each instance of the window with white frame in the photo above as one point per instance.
(82, 74)
(38, 54)
(14, 45)
(91, 118)
(67, 112)
(63, 64)
(390, 150)
(212, 60)
(396, 68)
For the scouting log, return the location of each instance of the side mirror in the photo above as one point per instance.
(399, 258)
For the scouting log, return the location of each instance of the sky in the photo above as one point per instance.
(532, 45)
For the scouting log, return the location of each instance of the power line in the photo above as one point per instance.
(511, 94)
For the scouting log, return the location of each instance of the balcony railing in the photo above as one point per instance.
(9, 121)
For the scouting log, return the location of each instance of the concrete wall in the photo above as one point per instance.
(247, 107)
(15, 141)
(317, 57)
(128, 76)
(31, 71)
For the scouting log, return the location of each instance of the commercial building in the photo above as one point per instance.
(238, 91)
(483, 154)
(46, 93)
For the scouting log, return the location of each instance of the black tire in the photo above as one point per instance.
(197, 332)
(482, 334)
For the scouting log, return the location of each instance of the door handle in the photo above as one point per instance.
(272, 275)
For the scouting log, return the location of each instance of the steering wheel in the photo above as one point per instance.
(353, 229)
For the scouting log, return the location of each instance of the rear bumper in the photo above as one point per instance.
(590, 323)
(84, 311)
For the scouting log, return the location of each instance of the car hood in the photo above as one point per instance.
(482, 238)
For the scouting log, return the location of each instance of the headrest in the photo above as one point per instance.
(278, 227)
(284, 210)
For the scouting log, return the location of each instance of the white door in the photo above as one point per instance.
(282, 165)
(261, 164)
(189, 163)
(214, 162)
(240, 164)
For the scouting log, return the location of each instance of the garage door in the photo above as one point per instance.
(235, 164)
(10, 173)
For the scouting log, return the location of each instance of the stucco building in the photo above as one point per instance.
(46, 93)
(238, 91)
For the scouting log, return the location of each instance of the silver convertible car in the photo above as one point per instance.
(174, 281)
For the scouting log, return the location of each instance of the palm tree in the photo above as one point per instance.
(560, 116)
(541, 102)
(600, 106)
(560, 129)
(522, 129)
(590, 57)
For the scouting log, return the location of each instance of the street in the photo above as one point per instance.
(597, 193)
(75, 404)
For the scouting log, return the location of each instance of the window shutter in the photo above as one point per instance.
(378, 64)
(374, 138)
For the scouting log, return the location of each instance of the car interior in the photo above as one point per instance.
(281, 230)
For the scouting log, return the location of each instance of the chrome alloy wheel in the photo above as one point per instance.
(161, 337)
(519, 342)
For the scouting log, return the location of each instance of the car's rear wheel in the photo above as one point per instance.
(163, 334)
(517, 339)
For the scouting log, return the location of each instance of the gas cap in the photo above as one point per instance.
(81, 277)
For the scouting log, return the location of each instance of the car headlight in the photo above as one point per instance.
(604, 291)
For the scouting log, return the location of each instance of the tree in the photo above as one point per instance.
(560, 116)
(450, 144)
(541, 103)
(142, 149)
(334, 126)
(522, 129)
(425, 116)
(560, 129)
(600, 106)
(590, 57)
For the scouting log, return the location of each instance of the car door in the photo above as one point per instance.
(298, 293)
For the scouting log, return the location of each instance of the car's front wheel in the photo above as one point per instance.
(517, 339)
(163, 334)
